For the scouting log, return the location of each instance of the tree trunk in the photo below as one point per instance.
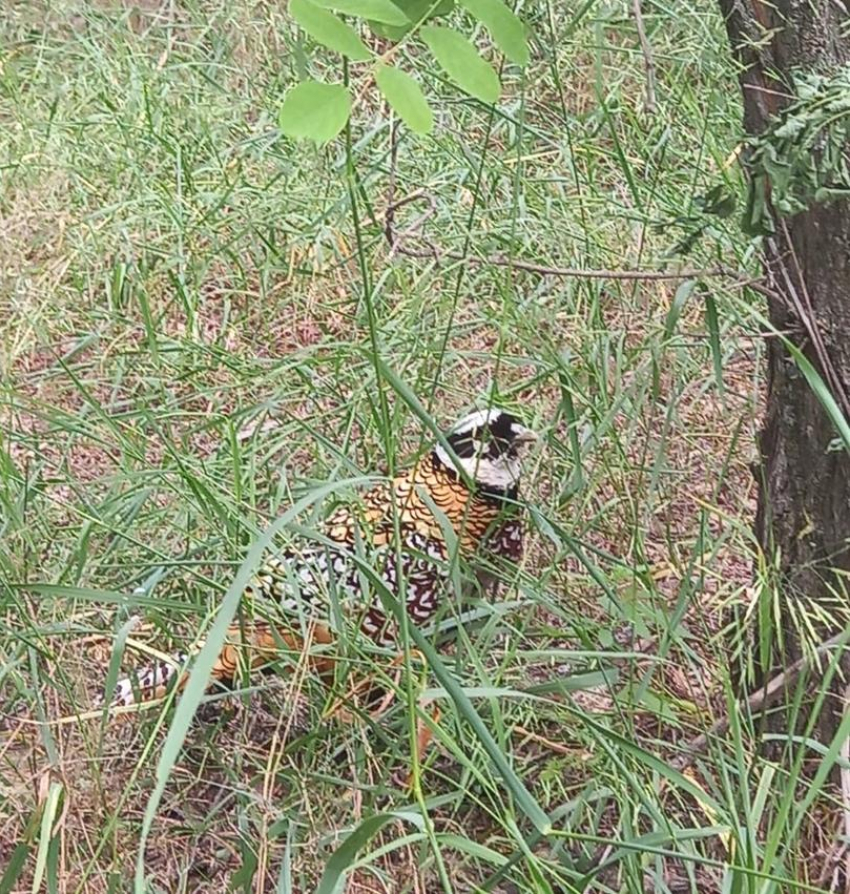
(803, 521)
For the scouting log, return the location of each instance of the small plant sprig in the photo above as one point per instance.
(319, 111)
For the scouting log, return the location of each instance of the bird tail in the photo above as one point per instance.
(246, 646)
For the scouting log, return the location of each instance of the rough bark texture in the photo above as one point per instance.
(804, 500)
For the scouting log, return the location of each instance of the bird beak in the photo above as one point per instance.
(523, 435)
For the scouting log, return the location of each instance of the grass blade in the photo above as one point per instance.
(202, 666)
(344, 856)
(714, 338)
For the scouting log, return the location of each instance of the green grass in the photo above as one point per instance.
(201, 330)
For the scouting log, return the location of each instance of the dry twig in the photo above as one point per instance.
(806, 313)
(762, 698)
(648, 61)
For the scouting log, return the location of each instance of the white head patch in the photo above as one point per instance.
(487, 446)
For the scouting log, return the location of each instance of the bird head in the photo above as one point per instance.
(488, 446)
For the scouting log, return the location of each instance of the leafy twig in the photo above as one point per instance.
(801, 156)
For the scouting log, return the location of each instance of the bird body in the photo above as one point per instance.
(401, 530)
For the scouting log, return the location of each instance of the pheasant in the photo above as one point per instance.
(399, 527)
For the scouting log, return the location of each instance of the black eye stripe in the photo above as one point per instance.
(498, 447)
(492, 440)
(463, 445)
(466, 447)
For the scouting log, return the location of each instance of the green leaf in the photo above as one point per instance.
(341, 859)
(14, 868)
(577, 682)
(512, 782)
(505, 27)
(460, 60)
(50, 811)
(822, 392)
(409, 397)
(615, 743)
(473, 848)
(714, 338)
(717, 201)
(405, 95)
(756, 219)
(384, 11)
(652, 843)
(680, 299)
(87, 594)
(815, 382)
(115, 664)
(315, 111)
(328, 30)
(415, 11)
(575, 482)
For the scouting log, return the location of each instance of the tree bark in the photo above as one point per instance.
(803, 520)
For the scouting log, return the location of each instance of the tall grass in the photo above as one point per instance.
(205, 337)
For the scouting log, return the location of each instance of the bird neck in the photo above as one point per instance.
(479, 492)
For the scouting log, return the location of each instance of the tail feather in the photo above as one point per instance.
(249, 646)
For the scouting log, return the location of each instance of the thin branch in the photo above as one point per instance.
(392, 204)
(803, 312)
(398, 242)
(762, 698)
(597, 273)
(807, 315)
(648, 61)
